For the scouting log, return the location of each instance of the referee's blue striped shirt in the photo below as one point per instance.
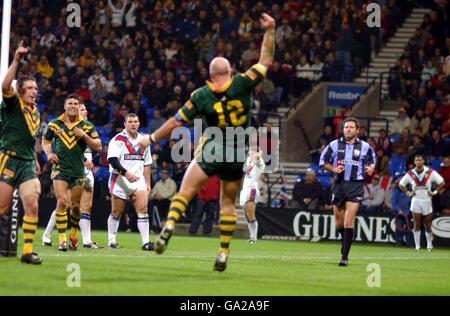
(354, 157)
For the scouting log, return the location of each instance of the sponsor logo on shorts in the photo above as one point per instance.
(133, 157)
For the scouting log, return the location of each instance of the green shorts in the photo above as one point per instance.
(72, 181)
(15, 171)
(227, 171)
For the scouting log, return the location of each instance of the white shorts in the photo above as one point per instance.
(421, 206)
(248, 194)
(88, 180)
(122, 188)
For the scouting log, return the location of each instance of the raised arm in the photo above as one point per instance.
(12, 70)
(163, 132)
(268, 44)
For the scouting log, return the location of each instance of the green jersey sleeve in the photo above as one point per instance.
(10, 100)
(252, 77)
(51, 130)
(189, 110)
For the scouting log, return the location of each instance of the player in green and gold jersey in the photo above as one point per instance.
(71, 134)
(18, 168)
(224, 103)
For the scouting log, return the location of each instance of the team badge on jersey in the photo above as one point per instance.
(356, 152)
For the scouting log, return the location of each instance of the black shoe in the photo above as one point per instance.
(148, 246)
(92, 245)
(163, 239)
(343, 263)
(221, 262)
(113, 245)
(31, 258)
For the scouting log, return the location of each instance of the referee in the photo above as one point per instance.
(347, 158)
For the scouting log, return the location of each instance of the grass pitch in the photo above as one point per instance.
(275, 268)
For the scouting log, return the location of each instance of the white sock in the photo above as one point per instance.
(50, 226)
(417, 238)
(85, 227)
(429, 239)
(143, 226)
(253, 228)
(113, 227)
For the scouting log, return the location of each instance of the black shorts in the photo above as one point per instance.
(347, 191)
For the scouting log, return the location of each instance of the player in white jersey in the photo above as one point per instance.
(253, 168)
(129, 164)
(85, 202)
(421, 179)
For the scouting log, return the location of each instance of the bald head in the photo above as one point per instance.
(219, 66)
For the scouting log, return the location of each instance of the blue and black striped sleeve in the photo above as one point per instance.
(370, 157)
(327, 155)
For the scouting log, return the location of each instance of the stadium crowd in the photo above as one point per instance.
(147, 56)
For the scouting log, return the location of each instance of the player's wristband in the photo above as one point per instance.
(433, 193)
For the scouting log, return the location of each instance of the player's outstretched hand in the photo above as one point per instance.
(267, 22)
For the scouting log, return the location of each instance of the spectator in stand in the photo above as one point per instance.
(436, 121)
(384, 143)
(362, 135)
(84, 91)
(118, 124)
(373, 196)
(436, 147)
(303, 79)
(417, 148)
(156, 122)
(420, 121)
(382, 165)
(306, 193)
(401, 211)
(101, 114)
(400, 122)
(344, 45)
(162, 193)
(99, 92)
(332, 69)
(404, 142)
(140, 111)
(207, 206)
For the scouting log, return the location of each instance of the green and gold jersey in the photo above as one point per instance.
(227, 106)
(69, 148)
(20, 124)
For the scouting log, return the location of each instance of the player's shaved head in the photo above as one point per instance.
(219, 66)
